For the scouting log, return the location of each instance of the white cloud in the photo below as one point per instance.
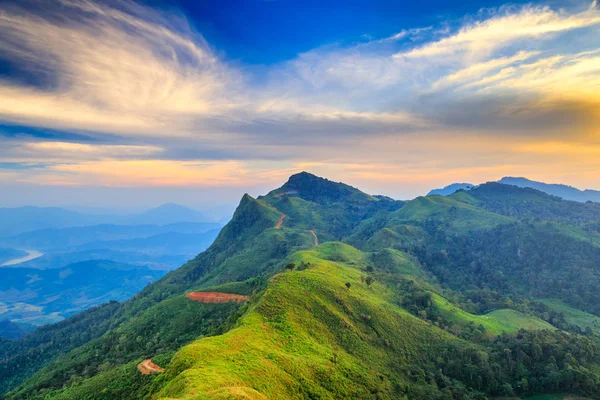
(110, 70)
(481, 38)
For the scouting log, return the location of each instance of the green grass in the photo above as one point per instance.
(456, 214)
(574, 316)
(398, 263)
(262, 255)
(495, 322)
(517, 320)
(163, 328)
(308, 336)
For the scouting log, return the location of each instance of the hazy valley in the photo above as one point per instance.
(63, 265)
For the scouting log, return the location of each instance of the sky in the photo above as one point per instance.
(132, 104)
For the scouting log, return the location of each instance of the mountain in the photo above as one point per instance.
(12, 330)
(563, 191)
(38, 297)
(450, 189)
(19, 220)
(168, 213)
(335, 293)
(74, 237)
(24, 219)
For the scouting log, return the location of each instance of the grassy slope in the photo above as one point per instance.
(398, 263)
(574, 316)
(495, 322)
(312, 338)
(163, 328)
(498, 321)
(405, 225)
(457, 215)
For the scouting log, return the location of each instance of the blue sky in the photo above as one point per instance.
(267, 32)
(206, 100)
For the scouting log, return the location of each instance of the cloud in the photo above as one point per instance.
(482, 37)
(482, 68)
(160, 106)
(111, 70)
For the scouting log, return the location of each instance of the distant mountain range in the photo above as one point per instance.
(166, 214)
(563, 191)
(77, 267)
(29, 218)
(72, 238)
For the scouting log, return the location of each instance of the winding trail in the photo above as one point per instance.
(280, 221)
(147, 367)
(315, 237)
(284, 193)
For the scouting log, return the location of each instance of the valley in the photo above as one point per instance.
(77, 267)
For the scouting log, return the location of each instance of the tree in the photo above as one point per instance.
(369, 280)
(348, 284)
(290, 266)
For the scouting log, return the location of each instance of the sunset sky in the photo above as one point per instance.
(122, 103)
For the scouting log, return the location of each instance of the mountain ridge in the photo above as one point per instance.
(433, 293)
(565, 192)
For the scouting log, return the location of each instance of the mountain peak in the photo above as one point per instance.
(305, 176)
(316, 189)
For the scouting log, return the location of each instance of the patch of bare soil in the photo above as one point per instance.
(216, 297)
(147, 367)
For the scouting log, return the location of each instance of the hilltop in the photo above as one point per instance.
(341, 294)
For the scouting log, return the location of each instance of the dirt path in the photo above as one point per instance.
(315, 236)
(147, 367)
(284, 193)
(216, 297)
(280, 221)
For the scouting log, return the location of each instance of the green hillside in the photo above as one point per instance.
(574, 316)
(313, 337)
(495, 322)
(351, 296)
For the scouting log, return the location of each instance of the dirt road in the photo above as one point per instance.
(216, 297)
(280, 221)
(315, 236)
